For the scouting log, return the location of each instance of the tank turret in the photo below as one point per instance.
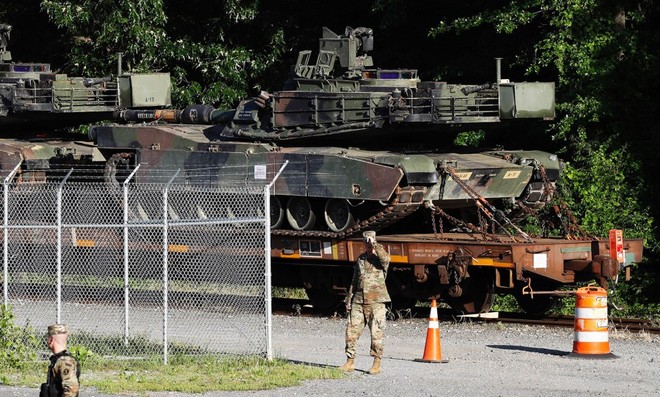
(33, 96)
(342, 93)
(37, 104)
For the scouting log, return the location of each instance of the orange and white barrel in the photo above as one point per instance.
(591, 328)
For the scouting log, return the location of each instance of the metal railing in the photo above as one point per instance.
(66, 99)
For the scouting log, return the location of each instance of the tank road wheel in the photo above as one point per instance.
(338, 215)
(276, 213)
(300, 214)
(478, 294)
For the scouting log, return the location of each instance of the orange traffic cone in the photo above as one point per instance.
(591, 338)
(432, 350)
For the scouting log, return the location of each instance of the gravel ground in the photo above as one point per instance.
(484, 360)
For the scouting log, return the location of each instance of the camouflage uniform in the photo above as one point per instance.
(366, 298)
(63, 371)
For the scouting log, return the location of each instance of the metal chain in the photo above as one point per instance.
(484, 206)
(435, 232)
(572, 230)
(469, 226)
(441, 224)
(437, 215)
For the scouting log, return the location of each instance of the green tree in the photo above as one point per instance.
(597, 51)
(195, 41)
(97, 30)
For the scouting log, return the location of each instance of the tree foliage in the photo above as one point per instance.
(202, 44)
(598, 52)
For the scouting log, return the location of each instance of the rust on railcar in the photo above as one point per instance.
(556, 259)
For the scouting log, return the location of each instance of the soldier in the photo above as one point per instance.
(64, 370)
(365, 302)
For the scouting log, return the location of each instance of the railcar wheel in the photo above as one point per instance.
(300, 214)
(478, 295)
(338, 215)
(276, 213)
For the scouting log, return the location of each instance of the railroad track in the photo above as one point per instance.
(622, 324)
(301, 307)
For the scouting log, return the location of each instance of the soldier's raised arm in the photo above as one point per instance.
(383, 256)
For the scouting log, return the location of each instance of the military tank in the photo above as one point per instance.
(328, 189)
(35, 98)
(37, 105)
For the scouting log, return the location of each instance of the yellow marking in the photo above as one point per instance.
(399, 258)
(295, 255)
(464, 175)
(491, 263)
(85, 243)
(335, 254)
(178, 248)
(511, 174)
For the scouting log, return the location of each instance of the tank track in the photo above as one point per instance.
(406, 201)
(393, 213)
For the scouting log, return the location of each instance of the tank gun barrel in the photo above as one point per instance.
(476, 88)
(195, 114)
(92, 82)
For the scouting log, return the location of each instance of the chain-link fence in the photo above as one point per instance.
(141, 269)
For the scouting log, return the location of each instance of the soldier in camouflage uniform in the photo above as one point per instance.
(64, 370)
(365, 302)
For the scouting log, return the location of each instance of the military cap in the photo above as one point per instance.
(55, 329)
(369, 235)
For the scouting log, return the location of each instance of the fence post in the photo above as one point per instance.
(267, 270)
(59, 246)
(5, 228)
(165, 276)
(126, 291)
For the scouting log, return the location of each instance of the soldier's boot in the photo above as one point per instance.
(375, 369)
(349, 366)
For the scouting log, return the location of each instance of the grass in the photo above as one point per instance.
(183, 374)
(289, 293)
(137, 284)
(137, 367)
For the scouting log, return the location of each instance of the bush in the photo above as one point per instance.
(18, 346)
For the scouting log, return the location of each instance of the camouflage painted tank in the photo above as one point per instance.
(36, 104)
(331, 190)
(341, 93)
(326, 189)
(33, 97)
